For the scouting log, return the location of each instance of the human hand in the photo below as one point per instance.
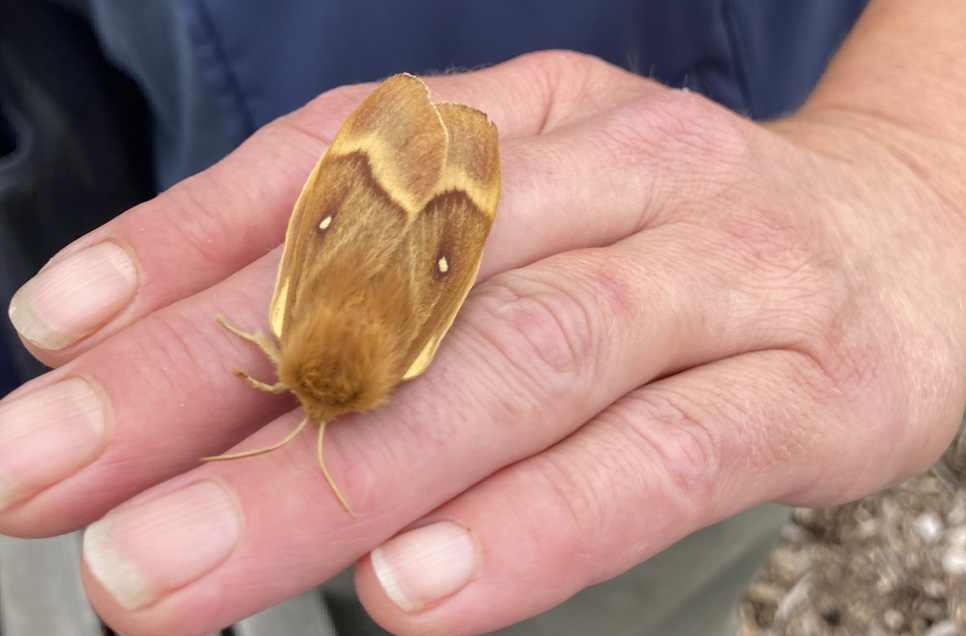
(681, 314)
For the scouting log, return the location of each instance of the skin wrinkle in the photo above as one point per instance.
(560, 351)
(668, 127)
(905, 308)
(640, 138)
(748, 235)
(298, 153)
(796, 441)
(170, 343)
(730, 403)
(581, 87)
(167, 346)
(336, 104)
(859, 119)
(609, 291)
(743, 407)
(663, 297)
(688, 454)
(748, 295)
(538, 575)
(764, 238)
(846, 361)
(906, 305)
(271, 154)
(653, 150)
(575, 319)
(618, 300)
(627, 467)
(636, 459)
(799, 316)
(519, 318)
(573, 500)
(285, 154)
(201, 225)
(306, 130)
(519, 390)
(203, 222)
(431, 423)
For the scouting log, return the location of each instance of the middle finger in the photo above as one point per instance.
(536, 353)
(164, 384)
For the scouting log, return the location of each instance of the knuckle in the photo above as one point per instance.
(554, 61)
(562, 69)
(175, 341)
(675, 465)
(775, 266)
(543, 331)
(676, 437)
(572, 502)
(565, 78)
(682, 130)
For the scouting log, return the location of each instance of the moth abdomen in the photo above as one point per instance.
(341, 360)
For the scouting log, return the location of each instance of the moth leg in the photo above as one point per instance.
(278, 387)
(328, 477)
(264, 342)
(266, 345)
(267, 449)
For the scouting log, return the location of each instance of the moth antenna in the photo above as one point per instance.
(328, 478)
(268, 449)
(258, 338)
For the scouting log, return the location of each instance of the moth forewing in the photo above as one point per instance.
(398, 130)
(284, 275)
(446, 242)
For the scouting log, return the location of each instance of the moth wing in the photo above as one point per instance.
(446, 239)
(400, 133)
(276, 311)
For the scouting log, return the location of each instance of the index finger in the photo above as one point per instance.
(211, 225)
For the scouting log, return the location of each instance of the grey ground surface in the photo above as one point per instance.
(891, 564)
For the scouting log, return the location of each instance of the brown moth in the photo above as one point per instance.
(383, 246)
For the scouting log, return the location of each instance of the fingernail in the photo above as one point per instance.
(140, 552)
(48, 435)
(425, 565)
(75, 296)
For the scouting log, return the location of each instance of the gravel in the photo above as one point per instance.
(891, 564)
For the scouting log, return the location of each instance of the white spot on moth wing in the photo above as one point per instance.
(326, 222)
(443, 264)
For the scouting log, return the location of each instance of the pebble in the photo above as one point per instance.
(929, 526)
(954, 561)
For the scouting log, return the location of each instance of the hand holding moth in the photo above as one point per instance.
(679, 314)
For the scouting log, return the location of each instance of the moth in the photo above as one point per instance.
(383, 246)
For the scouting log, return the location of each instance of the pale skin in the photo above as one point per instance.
(681, 314)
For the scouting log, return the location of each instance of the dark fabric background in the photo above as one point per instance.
(758, 57)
